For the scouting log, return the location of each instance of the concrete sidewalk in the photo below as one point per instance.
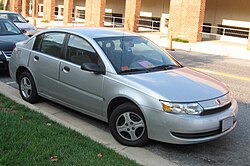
(214, 47)
(72, 121)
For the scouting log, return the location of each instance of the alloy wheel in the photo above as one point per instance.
(130, 126)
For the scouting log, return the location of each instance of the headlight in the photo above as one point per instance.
(182, 108)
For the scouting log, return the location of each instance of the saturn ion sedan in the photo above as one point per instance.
(125, 80)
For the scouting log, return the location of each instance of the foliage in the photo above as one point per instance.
(29, 138)
(1, 5)
(180, 40)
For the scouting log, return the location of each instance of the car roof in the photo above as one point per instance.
(7, 12)
(94, 32)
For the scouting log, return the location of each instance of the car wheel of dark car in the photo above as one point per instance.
(27, 88)
(128, 126)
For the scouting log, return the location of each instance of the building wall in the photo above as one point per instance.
(117, 6)
(228, 12)
(76, 3)
(59, 2)
(79, 3)
(156, 7)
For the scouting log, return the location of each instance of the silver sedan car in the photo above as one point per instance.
(125, 80)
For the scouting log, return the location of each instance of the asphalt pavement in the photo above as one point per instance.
(232, 149)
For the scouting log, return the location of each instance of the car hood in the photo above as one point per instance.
(25, 26)
(8, 42)
(179, 85)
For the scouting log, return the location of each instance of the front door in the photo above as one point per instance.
(80, 88)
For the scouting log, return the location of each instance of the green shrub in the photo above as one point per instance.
(1, 5)
(45, 21)
(180, 40)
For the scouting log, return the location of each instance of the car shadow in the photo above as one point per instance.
(195, 59)
(4, 73)
(231, 149)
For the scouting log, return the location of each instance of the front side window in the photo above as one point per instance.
(50, 43)
(79, 51)
(130, 54)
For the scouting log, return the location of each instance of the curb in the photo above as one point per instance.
(140, 155)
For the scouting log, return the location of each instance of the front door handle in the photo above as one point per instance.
(36, 58)
(66, 69)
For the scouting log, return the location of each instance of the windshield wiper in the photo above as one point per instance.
(19, 21)
(132, 71)
(164, 67)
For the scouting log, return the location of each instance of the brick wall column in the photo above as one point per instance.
(19, 6)
(15, 6)
(5, 4)
(132, 15)
(12, 4)
(186, 19)
(25, 7)
(35, 8)
(67, 11)
(95, 12)
(49, 10)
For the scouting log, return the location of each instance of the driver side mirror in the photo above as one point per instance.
(92, 67)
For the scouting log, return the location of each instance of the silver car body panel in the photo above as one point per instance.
(92, 93)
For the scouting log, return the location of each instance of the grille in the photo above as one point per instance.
(7, 53)
(196, 135)
(216, 110)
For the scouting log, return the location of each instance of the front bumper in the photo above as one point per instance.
(3, 62)
(188, 129)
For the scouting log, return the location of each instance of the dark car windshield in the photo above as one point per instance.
(14, 17)
(135, 54)
(8, 28)
(17, 18)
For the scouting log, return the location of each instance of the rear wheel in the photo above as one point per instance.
(128, 126)
(27, 88)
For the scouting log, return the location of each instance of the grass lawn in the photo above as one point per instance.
(29, 138)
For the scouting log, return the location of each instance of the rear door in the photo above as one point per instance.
(45, 62)
(81, 88)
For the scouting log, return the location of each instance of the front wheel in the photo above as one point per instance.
(27, 88)
(127, 125)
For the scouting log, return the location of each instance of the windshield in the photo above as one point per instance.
(17, 18)
(131, 54)
(8, 28)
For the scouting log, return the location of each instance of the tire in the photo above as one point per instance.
(27, 88)
(127, 125)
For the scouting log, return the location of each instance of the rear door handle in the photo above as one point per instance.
(66, 69)
(36, 58)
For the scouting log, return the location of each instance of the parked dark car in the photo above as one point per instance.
(10, 34)
(20, 22)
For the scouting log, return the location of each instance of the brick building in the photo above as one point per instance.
(192, 20)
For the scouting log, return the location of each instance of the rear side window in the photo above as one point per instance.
(50, 43)
(3, 15)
